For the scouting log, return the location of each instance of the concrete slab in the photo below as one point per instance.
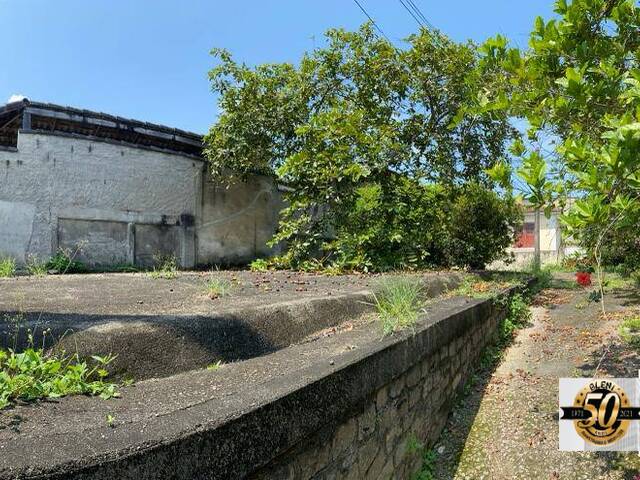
(134, 316)
(213, 424)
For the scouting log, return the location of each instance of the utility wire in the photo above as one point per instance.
(420, 24)
(420, 14)
(372, 20)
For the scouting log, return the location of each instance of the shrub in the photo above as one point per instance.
(621, 250)
(165, 266)
(7, 267)
(33, 375)
(482, 226)
(402, 225)
(583, 279)
(36, 267)
(390, 227)
(64, 262)
(399, 301)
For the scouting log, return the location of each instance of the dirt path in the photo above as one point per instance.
(507, 427)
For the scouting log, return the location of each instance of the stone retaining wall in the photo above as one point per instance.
(375, 440)
(348, 405)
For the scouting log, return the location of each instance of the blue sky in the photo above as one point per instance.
(148, 59)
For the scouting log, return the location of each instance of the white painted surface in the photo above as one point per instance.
(54, 177)
(58, 175)
(16, 226)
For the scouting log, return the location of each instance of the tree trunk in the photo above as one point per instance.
(536, 240)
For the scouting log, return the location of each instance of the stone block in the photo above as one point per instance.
(345, 436)
(367, 423)
(382, 398)
(413, 376)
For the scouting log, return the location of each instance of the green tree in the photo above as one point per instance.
(579, 85)
(369, 136)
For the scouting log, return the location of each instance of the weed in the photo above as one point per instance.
(557, 267)
(399, 302)
(543, 276)
(123, 268)
(7, 267)
(218, 287)
(594, 296)
(630, 331)
(64, 262)
(428, 468)
(110, 420)
(215, 366)
(165, 266)
(35, 267)
(259, 265)
(34, 374)
(14, 324)
(617, 282)
(414, 444)
(475, 287)
(517, 317)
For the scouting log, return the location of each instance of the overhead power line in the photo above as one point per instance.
(420, 14)
(371, 20)
(420, 24)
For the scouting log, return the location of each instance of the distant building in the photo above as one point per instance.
(554, 244)
(123, 191)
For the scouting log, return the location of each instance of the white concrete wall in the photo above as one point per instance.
(52, 177)
(57, 190)
(550, 244)
(237, 221)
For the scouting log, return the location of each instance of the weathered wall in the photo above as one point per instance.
(16, 225)
(237, 221)
(124, 204)
(55, 179)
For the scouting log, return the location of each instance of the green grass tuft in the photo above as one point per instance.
(35, 267)
(215, 366)
(218, 287)
(629, 331)
(259, 265)
(7, 267)
(399, 302)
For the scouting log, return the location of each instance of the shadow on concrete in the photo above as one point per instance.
(145, 346)
(629, 298)
(613, 360)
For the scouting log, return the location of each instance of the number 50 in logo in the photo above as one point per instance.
(602, 401)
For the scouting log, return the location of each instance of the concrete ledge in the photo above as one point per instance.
(246, 419)
(195, 341)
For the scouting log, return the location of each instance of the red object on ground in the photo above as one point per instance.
(583, 278)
